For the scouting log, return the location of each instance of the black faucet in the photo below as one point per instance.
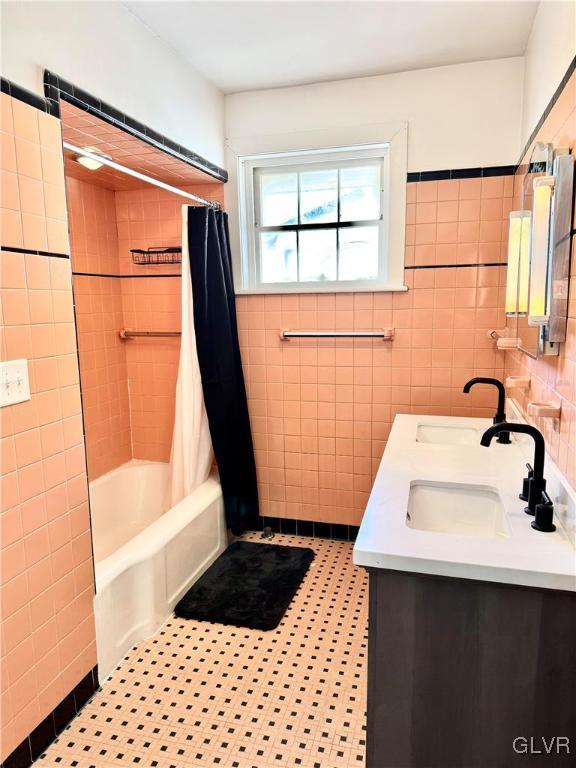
(500, 416)
(539, 503)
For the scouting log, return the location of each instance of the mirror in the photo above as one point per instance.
(539, 243)
(561, 246)
(530, 338)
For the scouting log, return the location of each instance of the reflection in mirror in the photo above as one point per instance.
(540, 252)
(518, 274)
(540, 164)
(561, 242)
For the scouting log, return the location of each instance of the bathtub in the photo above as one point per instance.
(145, 560)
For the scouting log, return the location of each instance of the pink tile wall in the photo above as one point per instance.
(93, 231)
(146, 218)
(103, 373)
(152, 217)
(128, 386)
(33, 207)
(99, 316)
(48, 641)
(152, 364)
(554, 378)
(458, 222)
(321, 410)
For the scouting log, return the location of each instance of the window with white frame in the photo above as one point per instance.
(316, 220)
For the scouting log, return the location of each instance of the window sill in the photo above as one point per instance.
(316, 288)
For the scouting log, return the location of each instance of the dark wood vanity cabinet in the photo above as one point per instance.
(460, 669)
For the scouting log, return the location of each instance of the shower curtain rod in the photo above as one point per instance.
(137, 175)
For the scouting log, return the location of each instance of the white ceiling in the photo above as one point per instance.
(243, 46)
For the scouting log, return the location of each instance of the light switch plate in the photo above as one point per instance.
(14, 382)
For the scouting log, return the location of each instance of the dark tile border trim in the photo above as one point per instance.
(336, 531)
(462, 173)
(458, 266)
(22, 94)
(31, 252)
(119, 277)
(44, 734)
(556, 95)
(56, 88)
(412, 267)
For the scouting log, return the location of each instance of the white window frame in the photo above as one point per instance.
(344, 157)
(247, 155)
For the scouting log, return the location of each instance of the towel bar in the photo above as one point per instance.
(383, 333)
(126, 334)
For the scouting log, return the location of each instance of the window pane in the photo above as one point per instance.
(278, 199)
(318, 196)
(360, 193)
(358, 256)
(317, 249)
(278, 263)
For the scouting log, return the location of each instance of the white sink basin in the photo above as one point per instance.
(456, 508)
(447, 434)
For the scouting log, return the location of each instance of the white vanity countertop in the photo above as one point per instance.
(523, 556)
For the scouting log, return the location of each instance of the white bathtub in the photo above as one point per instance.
(145, 560)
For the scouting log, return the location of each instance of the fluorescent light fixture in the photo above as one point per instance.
(539, 261)
(518, 271)
(89, 162)
(524, 267)
(109, 163)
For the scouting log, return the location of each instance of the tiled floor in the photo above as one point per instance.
(201, 694)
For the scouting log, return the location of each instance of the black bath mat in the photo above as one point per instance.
(249, 585)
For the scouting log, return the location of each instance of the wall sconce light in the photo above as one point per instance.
(538, 310)
(518, 273)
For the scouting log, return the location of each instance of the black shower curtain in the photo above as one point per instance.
(221, 365)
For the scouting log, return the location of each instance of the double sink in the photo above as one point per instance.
(455, 508)
(448, 434)
(443, 504)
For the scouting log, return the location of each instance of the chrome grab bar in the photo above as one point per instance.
(126, 334)
(384, 333)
